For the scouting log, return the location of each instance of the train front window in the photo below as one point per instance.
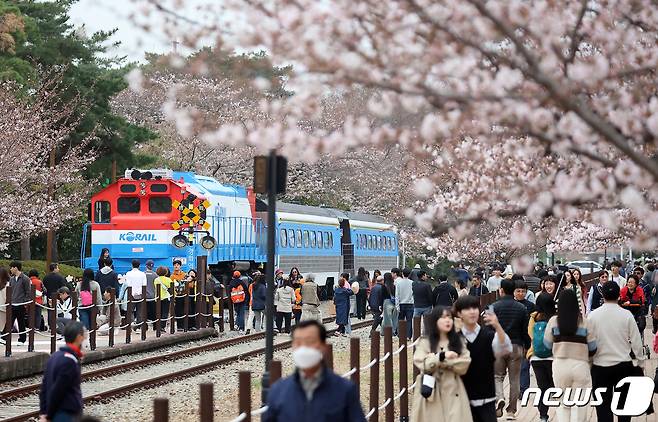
(159, 187)
(128, 205)
(160, 205)
(102, 212)
(128, 188)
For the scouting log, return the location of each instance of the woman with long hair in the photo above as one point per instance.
(578, 279)
(390, 312)
(572, 342)
(85, 290)
(362, 295)
(441, 354)
(541, 357)
(284, 298)
(373, 280)
(4, 280)
(342, 295)
(105, 253)
(569, 282)
(295, 275)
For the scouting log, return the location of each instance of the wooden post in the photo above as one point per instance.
(355, 361)
(207, 405)
(374, 376)
(231, 317)
(388, 374)
(93, 325)
(416, 334)
(404, 371)
(329, 356)
(31, 318)
(113, 299)
(52, 322)
(244, 395)
(160, 410)
(158, 312)
(172, 309)
(275, 371)
(142, 313)
(129, 315)
(221, 307)
(9, 323)
(186, 308)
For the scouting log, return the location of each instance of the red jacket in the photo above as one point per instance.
(636, 300)
(38, 287)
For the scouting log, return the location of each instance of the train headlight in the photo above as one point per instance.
(179, 241)
(208, 242)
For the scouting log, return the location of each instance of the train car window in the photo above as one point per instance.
(330, 240)
(291, 238)
(299, 238)
(390, 244)
(128, 188)
(363, 241)
(312, 239)
(306, 238)
(102, 212)
(128, 205)
(158, 187)
(160, 205)
(320, 240)
(369, 242)
(379, 242)
(283, 235)
(326, 240)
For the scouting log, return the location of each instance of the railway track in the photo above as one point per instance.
(143, 383)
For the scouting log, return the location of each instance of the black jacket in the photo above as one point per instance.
(259, 292)
(60, 389)
(513, 317)
(444, 294)
(376, 299)
(52, 282)
(108, 279)
(423, 296)
(478, 291)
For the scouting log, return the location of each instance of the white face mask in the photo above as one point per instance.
(306, 357)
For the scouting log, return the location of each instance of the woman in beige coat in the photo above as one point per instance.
(443, 355)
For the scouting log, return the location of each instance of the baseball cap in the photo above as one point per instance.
(236, 274)
(150, 263)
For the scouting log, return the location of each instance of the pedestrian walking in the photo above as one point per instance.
(239, 299)
(478, 288)
(4, 281)
(342, 295)
(513, 317)
(135, 278)
(20, 295)
(422, 293)
(520, 296)
(493, 283)
(445, 294)
(632, 299)
(362, 295)
(38, 298)
(297, 307)
(615, 274)
(541, 356)
(53, 280)
(618, 343)
(442, 358)
(314, 392)
(390, 312)
(310, 299)
(258, 297)
(376, 302)
(595, 296)
(404, 299)
(163, 283)
(569, 283)
(60, 398)
(284, 298)
(487, 343)
(572, 342)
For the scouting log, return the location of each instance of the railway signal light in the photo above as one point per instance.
(179, 241)
(261, 173)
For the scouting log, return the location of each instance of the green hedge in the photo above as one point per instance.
(41, 267)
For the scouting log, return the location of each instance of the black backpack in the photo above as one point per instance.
(444, 296)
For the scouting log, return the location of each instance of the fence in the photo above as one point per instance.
(185, 305)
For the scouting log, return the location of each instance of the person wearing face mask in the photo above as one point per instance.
(314, 392)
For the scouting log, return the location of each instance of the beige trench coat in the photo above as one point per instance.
(449, 401)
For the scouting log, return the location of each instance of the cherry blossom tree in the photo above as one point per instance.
(550, 106)
(37, 195)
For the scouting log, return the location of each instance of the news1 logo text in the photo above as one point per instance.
(630, 397)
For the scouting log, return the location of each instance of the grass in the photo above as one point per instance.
(41, 267)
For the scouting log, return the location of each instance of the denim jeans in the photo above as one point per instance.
(525, 375)
(239, 315)
(63, 416)
(85, 318)
(422, 311)
(407, 313)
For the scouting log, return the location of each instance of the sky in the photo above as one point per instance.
(106, 15)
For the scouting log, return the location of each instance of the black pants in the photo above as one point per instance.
(164, 313)
(376, 320)
(297, 313)
(18, 313)
(361, 304)
(150, 312)
(484, 413)
(544, 373)
(654, 328)
(608, 377)
(280, 317)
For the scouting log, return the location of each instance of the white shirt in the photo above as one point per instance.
(617, 279)
(403, 291)
(493, 283)
(614, 328)
(135, 279)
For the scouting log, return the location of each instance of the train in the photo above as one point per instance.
(139, 215)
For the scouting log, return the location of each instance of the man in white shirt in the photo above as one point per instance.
(135, 279)
(617, 336)
(493, 283)
(404, 299)
(616, 276)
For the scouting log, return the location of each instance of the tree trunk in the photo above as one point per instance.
(26, 252)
